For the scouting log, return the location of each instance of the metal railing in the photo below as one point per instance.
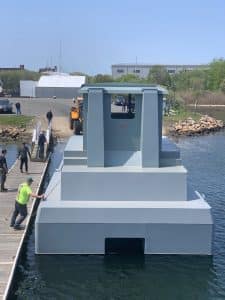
(35, 151)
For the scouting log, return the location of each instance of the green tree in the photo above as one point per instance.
(222, 86)
(102, 78)
(159, 75)
(191, 80)
(197, 87)
(11, 79)
(216, 74)
(130, 78)
(78, 73)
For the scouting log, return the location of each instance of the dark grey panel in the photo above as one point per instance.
(59, 92)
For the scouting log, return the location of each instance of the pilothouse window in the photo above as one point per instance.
(123, 106)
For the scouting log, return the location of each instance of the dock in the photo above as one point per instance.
(11, 241)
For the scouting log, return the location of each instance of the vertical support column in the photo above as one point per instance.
(150, 129)
(160, 116)
(85, 111)
(95, 129)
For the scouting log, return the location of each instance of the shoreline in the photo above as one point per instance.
(11, 133)
(60, 128)
(206, 105)
(190, 127)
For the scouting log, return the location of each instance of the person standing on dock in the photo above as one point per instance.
(24, 152)
(23, 196)
(18, 111)
(3, 170)
(41, 144)
(49, 116)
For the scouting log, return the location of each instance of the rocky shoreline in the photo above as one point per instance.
(12, 134)
(189, 127)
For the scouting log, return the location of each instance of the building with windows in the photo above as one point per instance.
(142, 70)
(20, 68)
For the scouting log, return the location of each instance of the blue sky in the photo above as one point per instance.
(96, 34)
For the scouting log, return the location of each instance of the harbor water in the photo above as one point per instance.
(145, 277)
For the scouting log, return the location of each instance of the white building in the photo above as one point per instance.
(27, 88)
(58, 85)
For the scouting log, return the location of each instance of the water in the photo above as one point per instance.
(12, 151)
(156, 277)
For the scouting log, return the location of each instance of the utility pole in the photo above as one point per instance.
(60, 56)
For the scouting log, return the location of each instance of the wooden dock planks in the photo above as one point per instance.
(11, 240)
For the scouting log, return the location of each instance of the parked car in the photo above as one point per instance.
(5, 106)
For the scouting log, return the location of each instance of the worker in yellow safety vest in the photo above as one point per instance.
(23, 196)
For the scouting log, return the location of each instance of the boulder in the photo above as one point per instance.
(189, 127)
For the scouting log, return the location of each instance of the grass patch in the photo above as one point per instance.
(181, 115)
(15, 121)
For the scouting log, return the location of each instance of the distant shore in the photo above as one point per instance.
(206, 105)
(18, 128)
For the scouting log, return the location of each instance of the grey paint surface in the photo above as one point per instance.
(95, 129)
(59, 92)
(90, 238)
(115, 183)
(150, 130)
(111, 185)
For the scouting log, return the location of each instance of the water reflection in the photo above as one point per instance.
(119, 277)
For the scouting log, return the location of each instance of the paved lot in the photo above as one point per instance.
(39, 107)
(60, 108)
(33, 106)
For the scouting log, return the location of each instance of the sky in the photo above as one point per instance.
(95, 34)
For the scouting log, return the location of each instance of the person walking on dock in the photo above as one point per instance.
(41, 144)
(18, 111)
(49, 116)
(23, 196)
(3, 170)
(24, 152)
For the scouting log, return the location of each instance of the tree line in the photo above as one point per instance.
(10, 80)
(211, 78)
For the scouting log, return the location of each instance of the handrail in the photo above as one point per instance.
(35, 137)
(48, 133)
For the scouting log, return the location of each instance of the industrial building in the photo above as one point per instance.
(57, 85)
(142, 70)
(20, 68)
